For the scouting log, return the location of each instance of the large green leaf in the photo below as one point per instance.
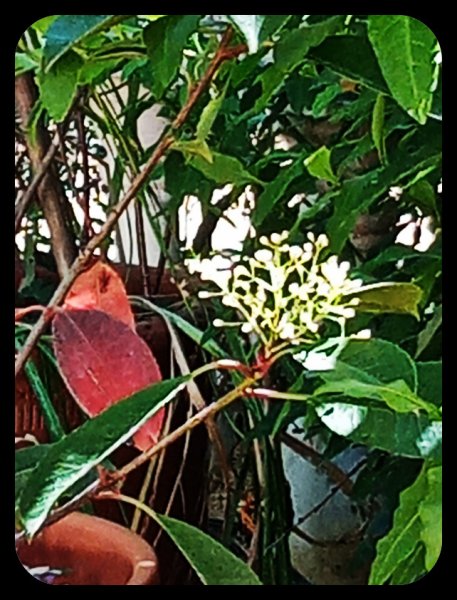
(213, 563)
(165, 41)
(396, 395)
(68, 30)
(400, 298)
(75, 455)
(290, 51)
(223, 169)
(416, 502)
(250, 26)
(406, 48)
(430, 511)
(59, 84)
(406, 434)
(24, 63)
(374, 361)
(274, 190)
(352, 57)
(410, 569)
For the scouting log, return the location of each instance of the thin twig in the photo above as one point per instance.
(117, 210)
(87, 225)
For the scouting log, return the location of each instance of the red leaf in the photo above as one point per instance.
(100, 287)
(103, 361)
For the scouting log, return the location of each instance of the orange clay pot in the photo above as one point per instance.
(94, 551)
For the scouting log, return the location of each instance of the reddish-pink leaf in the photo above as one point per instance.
(103, 361)
(100, 287)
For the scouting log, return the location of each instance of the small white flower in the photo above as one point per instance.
(263, 256)
(294, 288)
(349, 313)
(322, 241)
(264, 240)
(218, 323)
(334, 273)
(241, 270)
(276, 238)
(295, 252)
(308, 248)
(246, 328)
(230, 300)
(310, 235)
(287, 332)
(204, 295)
(319, 361)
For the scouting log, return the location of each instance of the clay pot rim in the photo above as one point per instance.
(121, 540)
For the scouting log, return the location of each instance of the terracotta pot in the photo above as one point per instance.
(94, 551)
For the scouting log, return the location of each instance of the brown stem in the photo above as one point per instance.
(108, 483)
(82, 260)
(50, 192)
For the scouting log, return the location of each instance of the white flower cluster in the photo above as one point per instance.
(283, 293)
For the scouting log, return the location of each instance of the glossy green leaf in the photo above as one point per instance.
(417, 517)
(430, 379)
(400, 298)
(59, 84)
(318, 165)
(430, 511)
(96, 70)
(223, 169)
(75, 455)
(374, 361)
(213, 563)
(274, 190)
(396, 395)
(377, 127)
(165, 41)
(405, 434)
(422, 194)
(405, 48)
(250, 26)
(289, 52)
(69, 30)
(324, 98)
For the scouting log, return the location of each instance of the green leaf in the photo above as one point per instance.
(405, 48)
(377, 127)
(209, 115)
(290, 51)
(324, 98)
(399, 298)
(58, 86)
(417, 516)
(405, 434)
(69, 30)
(318, 165)
(213, 563)
(410, 569)
(430, 379)
(24, 63)
(250, 26)
(424, 197)
(274, 190)
(430, 511)
(97, 70)
(165, 41)
(223, 169)
(426, 335)
(396, 395)
(374, 361)
(352, 57)
(72, 457)
(193, 148)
